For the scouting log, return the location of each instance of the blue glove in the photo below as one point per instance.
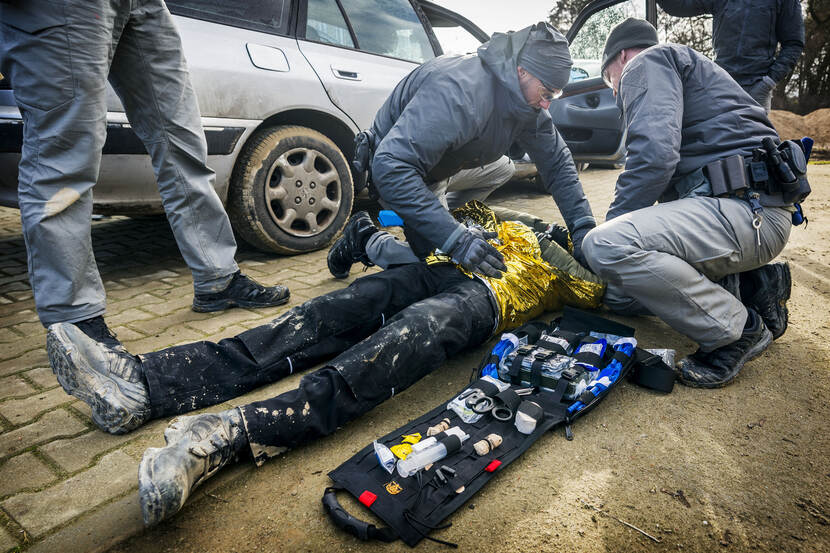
(472, 251)
(576, 238)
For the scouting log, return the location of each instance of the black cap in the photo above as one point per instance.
(631, 33)
(545, 55)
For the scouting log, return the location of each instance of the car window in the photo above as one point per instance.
(587, 45)
(326, 24)
(270, 16)
(390, 28)
(456, 40)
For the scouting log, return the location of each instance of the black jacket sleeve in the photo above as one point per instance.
(651, 92)
(789, 30)
(440, 116)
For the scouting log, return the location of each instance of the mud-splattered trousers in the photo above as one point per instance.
(386, 330)
(59, 55)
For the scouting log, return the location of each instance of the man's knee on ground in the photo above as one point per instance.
(606, 248)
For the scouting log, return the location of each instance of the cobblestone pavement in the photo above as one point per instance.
(66, 486)
(62, 481)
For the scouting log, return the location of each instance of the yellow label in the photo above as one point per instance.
(393, 488)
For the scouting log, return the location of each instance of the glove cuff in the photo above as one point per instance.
(452, 239)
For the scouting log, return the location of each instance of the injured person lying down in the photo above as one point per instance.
(375, 338)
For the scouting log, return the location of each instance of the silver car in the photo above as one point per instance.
(283, 87)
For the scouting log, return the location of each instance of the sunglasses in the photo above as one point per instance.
(547, 95)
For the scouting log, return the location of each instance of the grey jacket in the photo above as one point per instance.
(682, 112)
(746, 33)
(457, 112)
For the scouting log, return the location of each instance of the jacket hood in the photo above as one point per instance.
(500, 56)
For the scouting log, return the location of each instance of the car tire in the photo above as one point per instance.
(291, 190)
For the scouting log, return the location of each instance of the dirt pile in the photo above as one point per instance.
(815, 125)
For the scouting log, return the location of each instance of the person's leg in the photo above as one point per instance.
(667, 258)
(188, 377)
(478, 183)
(57, 55)
(416, 341)
(413, 343)
(150, 75)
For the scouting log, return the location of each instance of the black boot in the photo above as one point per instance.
(241, 291)
(717, 368)
(350, 248)
(766, 290)
(197, 447)
(98, 330)
(732, 284)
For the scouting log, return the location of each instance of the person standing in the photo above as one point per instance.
(745, 37)
(59, 55)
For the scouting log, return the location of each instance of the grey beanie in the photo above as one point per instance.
(631, 33)
(545, 55)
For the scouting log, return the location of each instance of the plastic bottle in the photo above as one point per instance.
(416, 461)
(429, 442)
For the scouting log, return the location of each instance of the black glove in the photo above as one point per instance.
(555, 233)
(474, 253)
(576, 237)
(761, 91)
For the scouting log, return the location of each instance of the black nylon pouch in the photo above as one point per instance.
(412, 507)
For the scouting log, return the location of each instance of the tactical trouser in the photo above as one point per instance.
(384, 250)
(387, 331)
(59, 54)
(665, 260)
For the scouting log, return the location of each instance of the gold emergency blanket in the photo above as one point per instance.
(532, 284)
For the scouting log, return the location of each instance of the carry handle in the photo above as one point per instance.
(358, 528)
(342, 519)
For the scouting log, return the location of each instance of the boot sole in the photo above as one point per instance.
(328, 262)
(149, 495)
(754, 352)
(221, 305)
(86, 384)
(786, 276)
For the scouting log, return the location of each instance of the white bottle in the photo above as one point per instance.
(416, 461)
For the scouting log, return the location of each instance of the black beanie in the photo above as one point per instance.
(631, 33)
(545, 55)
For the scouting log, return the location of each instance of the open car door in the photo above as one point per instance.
(587, 115)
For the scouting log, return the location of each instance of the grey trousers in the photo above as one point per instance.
(59, 55)
(384, 250)
(664, 260)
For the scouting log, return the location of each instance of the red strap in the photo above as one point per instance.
(367, 498)
(494, 464)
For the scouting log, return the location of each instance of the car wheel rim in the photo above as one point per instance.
(303, 192)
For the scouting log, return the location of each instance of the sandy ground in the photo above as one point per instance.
(744, 468)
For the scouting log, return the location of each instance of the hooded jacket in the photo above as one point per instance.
(746, 33)
(682, 112)
(457, 112)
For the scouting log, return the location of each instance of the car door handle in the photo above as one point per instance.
(345, 74)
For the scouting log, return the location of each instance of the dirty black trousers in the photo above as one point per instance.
(385, 331)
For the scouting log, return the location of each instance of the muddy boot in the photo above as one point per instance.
(197, 447)
(350, 248)
(98, 330)
(768, 289)
(717, 368)
(241, 291)
(109, 380)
